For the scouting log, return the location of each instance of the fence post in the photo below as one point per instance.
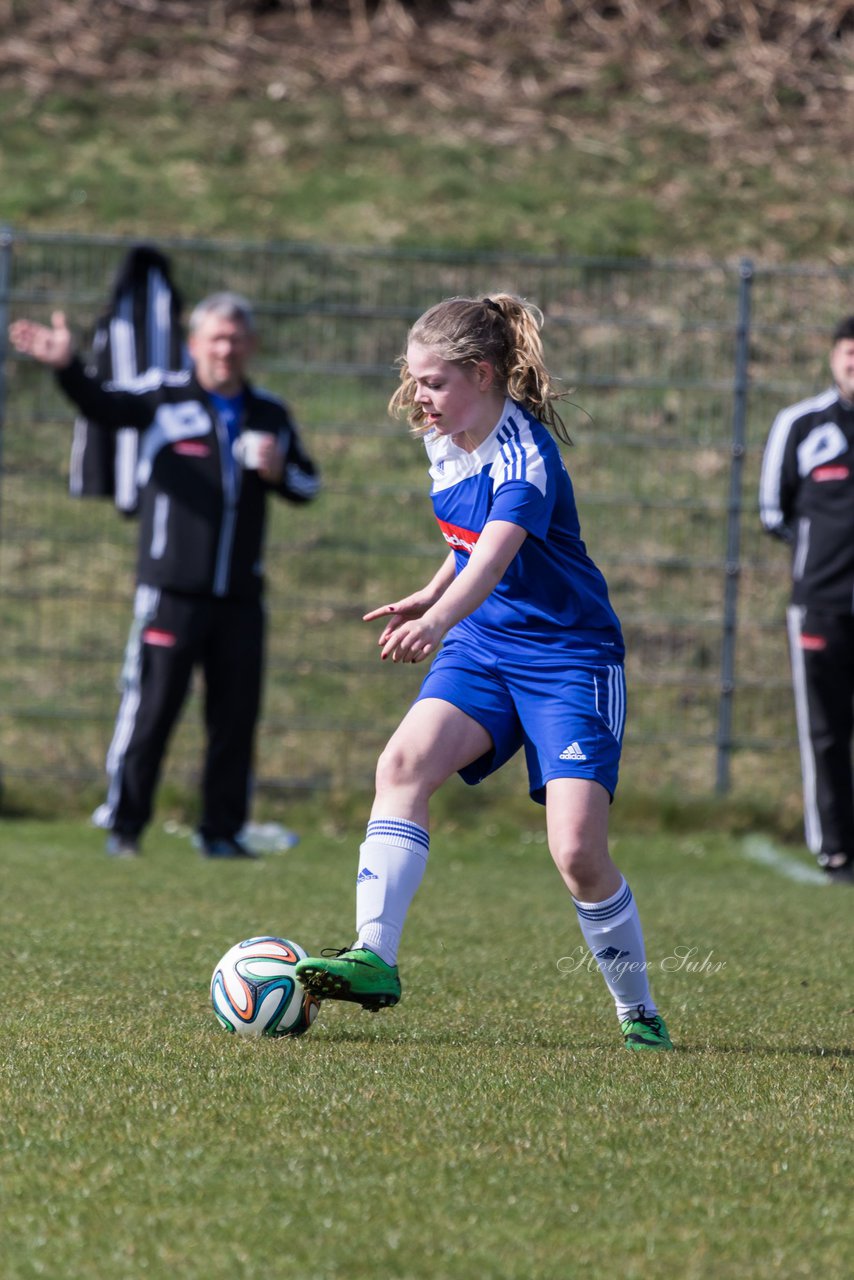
(732, 568)
(5, 288)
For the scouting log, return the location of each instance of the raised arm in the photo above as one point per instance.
(53, 345)
(50, 344)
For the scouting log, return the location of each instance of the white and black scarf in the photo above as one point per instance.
(140, 330)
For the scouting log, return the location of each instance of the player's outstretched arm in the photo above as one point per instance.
(50, 344)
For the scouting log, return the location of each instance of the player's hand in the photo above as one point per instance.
(396, 614)
(50, 344)
(413, 640)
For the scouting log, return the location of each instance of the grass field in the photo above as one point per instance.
(490, 1126)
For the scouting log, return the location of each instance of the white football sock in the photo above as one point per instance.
(612, 931)
(391, 865)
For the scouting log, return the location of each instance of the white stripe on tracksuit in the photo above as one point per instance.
(812, 819)
(145, 605)
(770, 511)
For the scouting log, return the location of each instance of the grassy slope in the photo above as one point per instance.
(442, 135)
(657, 196)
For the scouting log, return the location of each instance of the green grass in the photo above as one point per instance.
(606, 174)
(490, 1126)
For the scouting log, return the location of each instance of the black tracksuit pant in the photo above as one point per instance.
(173, 634)
(822, 651)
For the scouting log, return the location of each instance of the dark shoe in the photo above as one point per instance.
(224, 847)
(122, 846)
(837, 868)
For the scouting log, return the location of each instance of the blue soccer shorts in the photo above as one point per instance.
(570, 719)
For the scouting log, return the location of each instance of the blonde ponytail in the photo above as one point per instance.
(501, 329)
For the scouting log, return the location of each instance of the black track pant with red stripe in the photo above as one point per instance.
(171, 636)
(822, 652)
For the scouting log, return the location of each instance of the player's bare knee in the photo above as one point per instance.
(581, 866)
(397, 768)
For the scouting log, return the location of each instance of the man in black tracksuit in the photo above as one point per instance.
(806, 497)
(199, 569)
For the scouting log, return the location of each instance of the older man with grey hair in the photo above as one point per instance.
(211, 449)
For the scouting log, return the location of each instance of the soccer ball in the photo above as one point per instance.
(254, 991)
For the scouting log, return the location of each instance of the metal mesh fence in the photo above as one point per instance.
(675, 373)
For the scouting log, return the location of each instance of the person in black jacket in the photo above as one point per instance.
(202, 511)
(806, 497)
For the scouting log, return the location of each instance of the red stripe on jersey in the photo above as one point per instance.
(192, 448)
(459, 539)
(816, 643)
(165, 639)
(838, 472)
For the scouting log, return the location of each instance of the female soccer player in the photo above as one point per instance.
(532, 654)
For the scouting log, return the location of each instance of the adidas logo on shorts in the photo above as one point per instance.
(573, 752)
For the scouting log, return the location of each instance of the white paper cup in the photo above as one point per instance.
(247, 448)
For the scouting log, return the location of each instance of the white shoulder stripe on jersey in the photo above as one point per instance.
(512, 453)
(150, 381)
(518, 456)
(186, 420)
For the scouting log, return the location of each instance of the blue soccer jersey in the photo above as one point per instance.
(552, 603)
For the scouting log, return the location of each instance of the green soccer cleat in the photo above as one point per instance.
(642, 1032)
(351, 974)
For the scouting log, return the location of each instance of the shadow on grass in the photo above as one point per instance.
(772, 1051)
(358, 1035)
